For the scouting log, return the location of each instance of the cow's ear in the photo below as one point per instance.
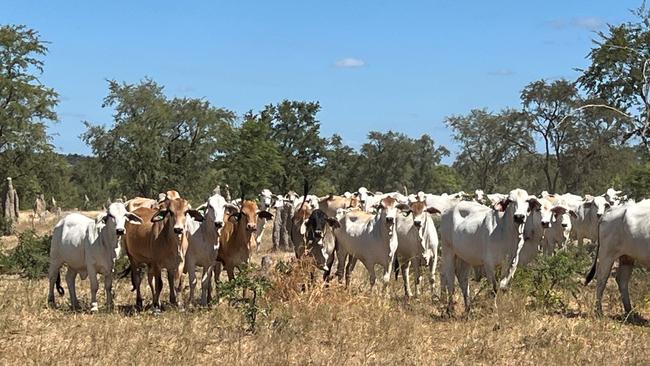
(573, 214)
(102, 217)
(265, 215)
(203, 208)
(533, 204)
(234, 218)
(159, 216)
(231, 209)
(133, 218)
(502, 205)
(195, 214)
(559, 210)
(333, 222)
(403, 207)
(432, 210)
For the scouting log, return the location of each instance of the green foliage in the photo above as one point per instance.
(248, 279)
(295, 130)
(550, 280)
(30, 258)
(489, 142)
(615, 74)
(26, 105)
(638, 182)
(157, 143)
(250, 156)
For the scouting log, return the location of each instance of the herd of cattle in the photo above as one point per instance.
(479, 233)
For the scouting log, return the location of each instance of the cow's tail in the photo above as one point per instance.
(128, 270)
(59, 288)
(592, 271)
(396, 267)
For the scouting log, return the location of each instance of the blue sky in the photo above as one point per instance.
(373, 65)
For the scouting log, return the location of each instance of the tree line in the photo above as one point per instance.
(578, 136)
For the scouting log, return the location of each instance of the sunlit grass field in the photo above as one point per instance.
(308, 323)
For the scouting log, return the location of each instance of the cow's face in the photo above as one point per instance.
(248, 215)
(316, 226)
(519, 203)
(363, 194)
(116, 217)
(175, 210)
(547, 215)
(599, 204)
(389, 208)
(266, 198)
(215, 211)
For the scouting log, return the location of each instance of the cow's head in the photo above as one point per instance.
(116, 217)
(547, 215)
(214, 211)
(419, 210)
(316, 226)
(363, 194)
(519, 203)
(599, 204)
(266, 198)
(175, 210)
(388, 209)
(248, 214)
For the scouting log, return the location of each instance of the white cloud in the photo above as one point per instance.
(501, 72)
(588, 23)
(349, 62)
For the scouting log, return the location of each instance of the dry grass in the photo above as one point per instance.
(318, 325)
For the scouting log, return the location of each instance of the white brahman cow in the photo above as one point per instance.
(417, 244)
(484, 237)
(368, 238)
(87, 247)
(624, 234)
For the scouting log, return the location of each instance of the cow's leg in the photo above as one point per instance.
(108, 289)
(329, 263)
(157, 276)
(230, 271)
(94, 287)
(462, 273)
(136, 277)
(433, 264)
(70, 277)
(150, 282)
(206, 285)
(406, 266)
(341, 257)
(418, 275)
(447, 277)
(623, 274)
(171, 275)
(352, 261)
(54, 276)
(370, 267)
(603, 269)
(191, 275)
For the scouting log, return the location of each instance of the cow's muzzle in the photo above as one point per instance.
(565, 225)
(178, 230)
(390, 220)
(418, 224)
(519, 218)
(251, 227)
(119, 232)
(218, 224)
(599, 215)
(546, 224)
(318, 234)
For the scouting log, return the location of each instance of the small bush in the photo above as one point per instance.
(247, 279)
(550, 280)
(30, 258)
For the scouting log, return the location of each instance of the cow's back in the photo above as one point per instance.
(138, 239)
(68, 241)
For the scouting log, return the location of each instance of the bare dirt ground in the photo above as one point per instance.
(320, 325)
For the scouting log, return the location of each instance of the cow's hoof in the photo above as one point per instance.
(155, 311)
(94, 308)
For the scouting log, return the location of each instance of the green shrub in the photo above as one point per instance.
(30, 258)
(550, 280)
(235, 292)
